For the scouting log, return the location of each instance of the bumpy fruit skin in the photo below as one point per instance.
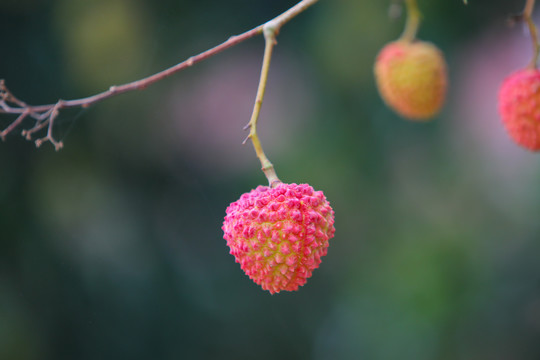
(412, 78)
(278, 235)
(519, 106)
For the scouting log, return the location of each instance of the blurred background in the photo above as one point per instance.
(112, 247)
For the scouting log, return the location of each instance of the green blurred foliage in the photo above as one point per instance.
(112, 248)
(103, 41)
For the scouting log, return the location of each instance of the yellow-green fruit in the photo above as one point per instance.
(412, 78)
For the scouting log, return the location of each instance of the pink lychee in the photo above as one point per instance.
(519, 106)
(278, 235)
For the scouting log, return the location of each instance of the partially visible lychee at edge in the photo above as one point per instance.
(519, 107)
(279, 234)
(412, 78)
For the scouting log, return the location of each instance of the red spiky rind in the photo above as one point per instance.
(519, 107)
(412, 78)
(278, 235)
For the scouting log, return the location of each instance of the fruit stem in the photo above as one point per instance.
(269, 31)
(413, 21)
(527, 17)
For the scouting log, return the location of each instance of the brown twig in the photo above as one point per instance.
(45, 115)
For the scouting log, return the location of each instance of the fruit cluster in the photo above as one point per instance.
(278, 234)
(411, 77)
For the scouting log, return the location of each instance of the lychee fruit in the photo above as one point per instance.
(279, 234)
(519, 106)
(412, 78)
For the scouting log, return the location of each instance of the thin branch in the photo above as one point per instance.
(138, 84)
(13, 125)
(46, 114)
